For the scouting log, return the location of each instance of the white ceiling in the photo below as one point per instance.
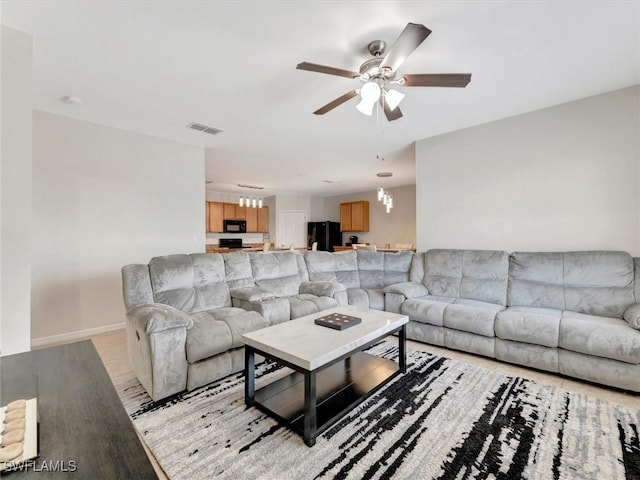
(155, 66)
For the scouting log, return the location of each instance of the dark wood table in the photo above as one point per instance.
(83, 427)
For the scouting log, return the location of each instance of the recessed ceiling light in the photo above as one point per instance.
(384, 174)
(71, 100)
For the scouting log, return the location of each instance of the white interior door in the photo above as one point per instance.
(292, 228)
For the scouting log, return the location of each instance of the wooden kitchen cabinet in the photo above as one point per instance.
(233, 211)
(263, 220)
(215, 215)
(345, 217)
(257, 220)
(354, 216)
(216, 212)
(251, 215)
(229, 211)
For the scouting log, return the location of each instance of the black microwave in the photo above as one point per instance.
(235, 226)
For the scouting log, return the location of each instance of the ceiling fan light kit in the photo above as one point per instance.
(381, 71)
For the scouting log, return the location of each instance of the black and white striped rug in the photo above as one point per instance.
(441, 420)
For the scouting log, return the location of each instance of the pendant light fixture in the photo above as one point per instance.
(250, 202)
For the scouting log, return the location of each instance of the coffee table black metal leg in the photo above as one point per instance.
(249, 376)
(402, 349)
(310, 419)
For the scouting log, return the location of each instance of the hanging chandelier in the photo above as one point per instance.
(386, 198)
(250, 202)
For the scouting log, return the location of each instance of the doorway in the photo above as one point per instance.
(292, 228)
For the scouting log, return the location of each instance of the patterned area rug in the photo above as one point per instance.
(441, 420)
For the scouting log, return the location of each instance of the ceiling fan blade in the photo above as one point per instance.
(314, 67)
(437, 80)
(335, 103)
(390, 114)
(410, 38)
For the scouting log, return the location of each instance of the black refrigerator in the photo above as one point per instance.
(327, 234)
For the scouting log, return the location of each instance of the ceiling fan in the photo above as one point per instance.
(380, 72)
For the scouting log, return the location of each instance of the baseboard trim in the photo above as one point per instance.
(71, 336)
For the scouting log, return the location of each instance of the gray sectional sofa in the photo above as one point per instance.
(575, 313)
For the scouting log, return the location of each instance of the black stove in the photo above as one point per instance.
(230, 243)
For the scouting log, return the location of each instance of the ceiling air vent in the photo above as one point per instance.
(202, 127)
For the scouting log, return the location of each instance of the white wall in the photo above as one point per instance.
(103, 198)
(317, 209)
(562, 178)
(15, 206)
(397, 226)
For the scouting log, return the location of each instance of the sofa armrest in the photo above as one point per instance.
(632, 315)
(252, 294)
(156, 341)
(157, 317)
(322, 289)
(408, 289)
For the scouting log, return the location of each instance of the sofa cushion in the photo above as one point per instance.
(277, 272)
(371, 268)
(340, 267)
(600, 336)
(376, 298)
(360, 269)
(636, 270)
(596, 283)
(538, 326)
(237, 269)
(536, 280)
(397, 266)
(358, 297)
(599, 283)
(239, 321)
(208, 337)
(306, 304)
(428, 309)
(191, 283)
(632, 316)
(472, 316)
(473, 274)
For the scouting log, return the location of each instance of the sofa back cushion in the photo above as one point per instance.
(276, 272)
(379, 269)
(591, 282)
(191, 283)
(636, 269)
(370, 268)
(598, 283)
(536, 280)
(237, 269)
(396, 267)
(472, 274)
(339, 267)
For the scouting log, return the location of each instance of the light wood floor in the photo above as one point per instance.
(112, 349)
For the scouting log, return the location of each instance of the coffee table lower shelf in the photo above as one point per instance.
(338, 389)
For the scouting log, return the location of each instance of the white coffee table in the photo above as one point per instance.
(331, 372)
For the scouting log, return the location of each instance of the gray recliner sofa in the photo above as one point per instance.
(186, 313)
(574, 313)
(182, 331)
